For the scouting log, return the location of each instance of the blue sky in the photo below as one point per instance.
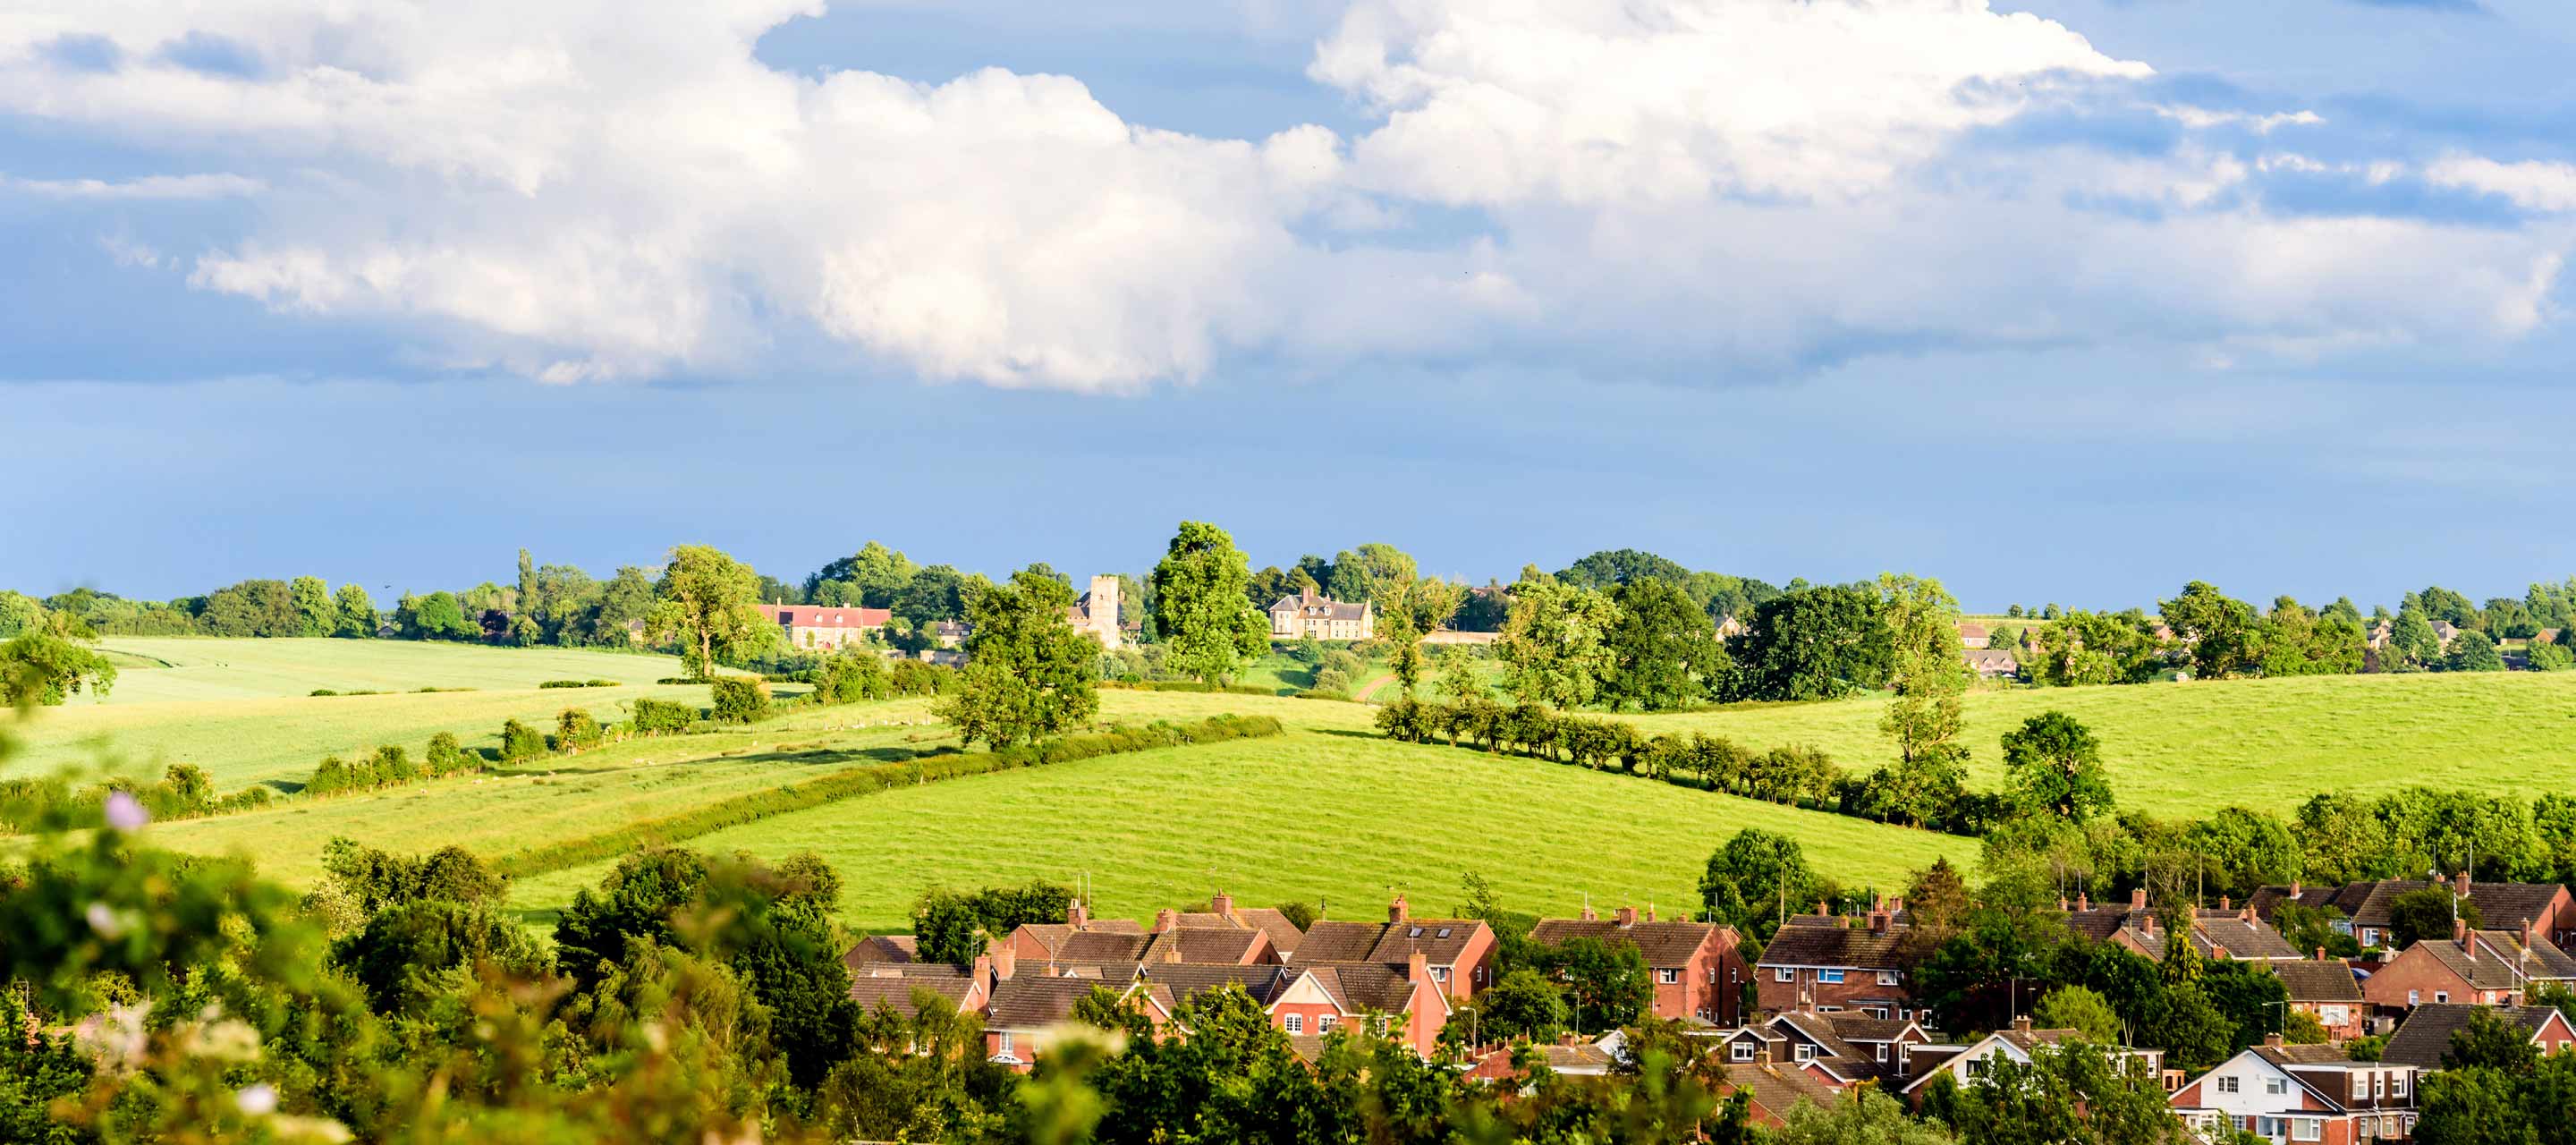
(2065, 301)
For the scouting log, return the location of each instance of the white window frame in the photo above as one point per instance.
(1294, 1023)
(1324, 1023)
(1804, 1052)
(1830, 977)
(2276, 1086)
(1004, 1050)
(1668, 977)
(2438, 995)
(1890, 977)
(1784, 973)
(2414, 997)
(2228, 1083)
(2360, 1086)
(2397, 1083)
(1739, 1051)
(2307, 1129)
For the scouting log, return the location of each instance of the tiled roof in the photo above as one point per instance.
(1855, 1026)
(1833, 946)
(1201, 944)
(1359, 986)
(883, 948)
(2314, 981)
(1052, 935)
(826, 616)
(1307, 604)
(1665, 944)
(1814, 1028)
(1441, 940)
(1188, 981)
(1032, 1002)
(2028, 1040)
(1776, 1088)
(2471, 961)
(2539, 960)
(1102, 946)
(2242, 939)
(1284, 934)
(2426, 1036)
(902, 993)
(2309, 1055)
(2505, 906)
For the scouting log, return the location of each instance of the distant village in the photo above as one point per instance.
(1829, 1004)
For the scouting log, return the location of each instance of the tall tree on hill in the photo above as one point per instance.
(2412, 643)
(2092, 648)
(1200, 611)
(934, 594)
(2054, 767)
(870, 578)
(1363, 573)
(1663, 650)
(527, 583)
(626, 598)
(2220, 631)
(314, 615)
(1813, 644)
(704, 600)
(1554, 646)
(1754, 881)
(18, 613)
(2472, 651)
(1925, 717)
(1409, 610)
(1608, 569)
(353, 614)
(1029, 674)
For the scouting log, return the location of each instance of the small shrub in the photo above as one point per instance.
(445, 758)
(575, 730)
(1333, 680)
(683, 680)
(654, 717)
(520, 742)
(850, 678)
(739, 700)
(914, 678)
(392, 766)
(322, 692)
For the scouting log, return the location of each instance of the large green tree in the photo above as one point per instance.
(705, 601)
(1755, 880)
(2053, 764)
(1554, 646)
(1926, 715)
(314, 614)
(1208, 627)
(1814, 644)
(2222, 633)
(46, 666)
(870, 578)
(1663, 651)
(353, 614)
(1028, 673)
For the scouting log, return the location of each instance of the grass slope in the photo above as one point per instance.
(239, 708)
(1318, 814)
(2194, 747)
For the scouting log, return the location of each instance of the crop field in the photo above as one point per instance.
(1326, 814)
(2191, 748)
(241, 709)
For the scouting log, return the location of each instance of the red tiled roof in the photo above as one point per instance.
(826, 616)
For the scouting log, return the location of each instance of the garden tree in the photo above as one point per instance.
(2549, 657)
(1408, 610)
(2472, 651)
(2297, 642)
(2190, 1029)
(1869, 1117)
(2553, 821)
(870, 578)
(1553, 646)
(48, 665)
(1522, 1004)
(2506, 618)
(953, 927)
(314, 614)
(2343, 840)
(488, 597)
(1607, 984)
(1663, 651)
(2079, 1009)
(704, 601)
(1937, 899)
(2302, 1028)
(2312, 928)
(353, 615)
(1028, 673)
(1362, 574)
(2050, 611)
(2485, 1107)
(1753, 880)
(625, 599)
(2412, 641)
(400, 954)
(18, 613)
(2489, 1041)
(437, 616)
(2244, 851)
(934, 594)
(2221, 632)
(1264, 588)
(558, 598)
(2053, 766)
(2446, 829)
(2427, 913)
(1812, 644)
(1608, 569)
(1201, 615)
(2077, 1094)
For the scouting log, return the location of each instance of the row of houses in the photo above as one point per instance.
(825, 628)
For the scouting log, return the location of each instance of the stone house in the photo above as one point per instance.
(1307, 614)
(824, 627)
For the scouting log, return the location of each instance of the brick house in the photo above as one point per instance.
(2478, 967)
(2544, 910)
(1993, 663)
(1838, 1050)
(1307, 1002)
(2302, 1094)
(1771, 1090)
(1039, 943)
(2228, 932)
(1458, 952)
(2325, 989)
(903, 986)
(1306, 614)
(1698, 971)
(823, 627)
(2426, 1036)
(1222, 913)
(1973, 636)
(1828, 964)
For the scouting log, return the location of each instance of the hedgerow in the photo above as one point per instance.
(655, 717)
(740, 700)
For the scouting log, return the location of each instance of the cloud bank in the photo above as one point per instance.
(1696, 189)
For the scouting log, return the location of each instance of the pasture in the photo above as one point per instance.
(1329, 814)
(2191, 748)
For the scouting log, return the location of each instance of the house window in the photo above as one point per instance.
(1324, 1025)
(1740, 1052)
(2370, 938)
(1888, 977)
(1829, 976)
(1296, 1023)
(2276, 1086)
(2228, 1084)
(2360, 1085)
(1439, 973)
(1668, 977)
(2414, 996)
(1806, 1052)
(2438, 995)
(1005, 1048)
(1879, 1012)
(1882, 1051)
(1785, 974)
(1480, 976)
(2397, 1084)
(2307, 1128)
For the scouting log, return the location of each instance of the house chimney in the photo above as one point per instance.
(2148, 924)
(1006, 960)
(2061, 902)
(2321, 954)
(984, 967)
(1820, 909)
(1077, 915)
(2272, 1041)
(2294, 888)
(1223, 905)
(2460, 931)
(1165, 920)
(1589, 915)
(1416, 969)
(1650, 912)
(1627, 916)
(1396, 911)
(2460, 885)
(1172, 951)
(2083, 901)
(2138, 899)
(1878, 921)
(2225, 904)
(2021, 1022)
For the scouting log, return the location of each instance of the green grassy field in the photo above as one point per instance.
(1327, 814)
(241, 708)
(2194, 747)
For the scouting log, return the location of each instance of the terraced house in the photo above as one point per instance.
(2543, 910)
(1826, 963)
(1458, 953)
(1698, 972)
(2302, 1094)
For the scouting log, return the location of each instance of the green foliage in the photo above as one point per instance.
(2472, 651)
(871, 578)
(1755, 881)
(1607, 984)
(576, 730)
(2080, 1009)
(1870, 1117)
(2221, 633)
(437, 616)
(1555, 647)
(739, 700)
(2054, 766)
(1523, 1003)
(520, 743)
(851, 677)
(1663, 652)
(2093, 648)
(657, 717)
(2080, 1093)
(1029, 672)
(706, 602)
(2426, 913)
(43, 667)
(1201, 613)
(578, 684)
(1811, 644)
(2310, 928)
(955, 927)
